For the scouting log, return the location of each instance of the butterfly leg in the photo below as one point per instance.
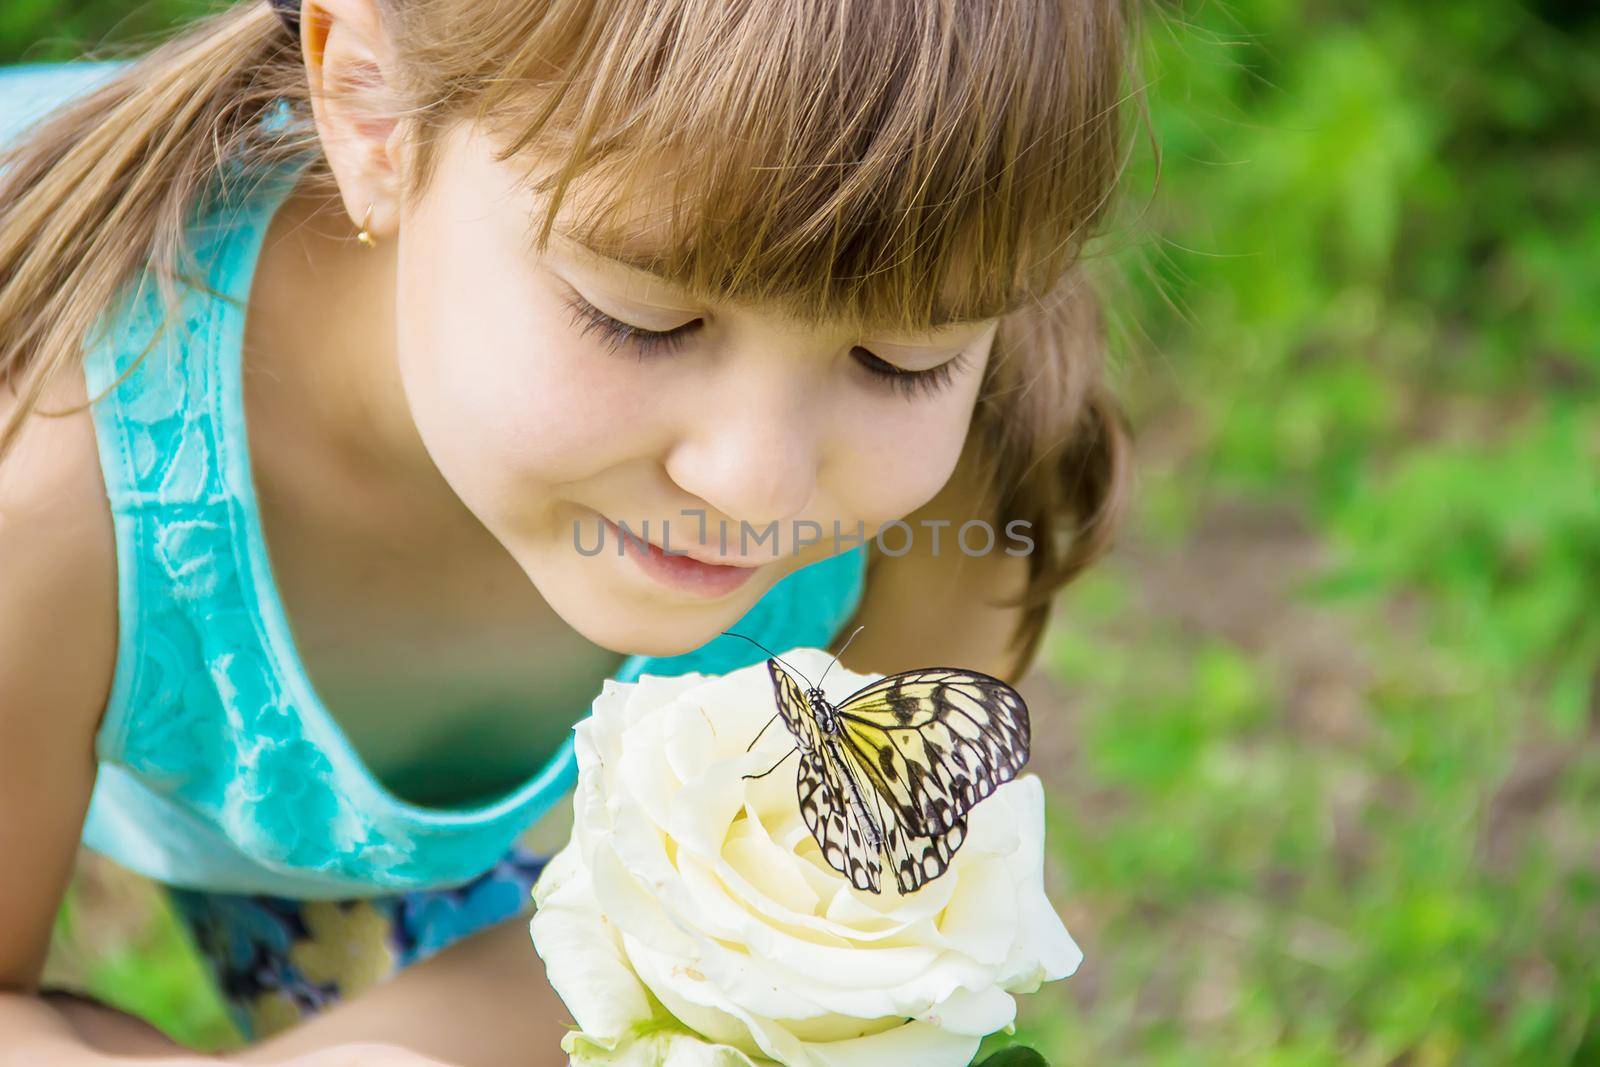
(775, 766)
(763, 730)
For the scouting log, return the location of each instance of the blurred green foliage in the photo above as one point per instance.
(1334, 801)
(51, 31)
(145, 965)
(1325, 785)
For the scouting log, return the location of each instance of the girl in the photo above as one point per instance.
(336, 337)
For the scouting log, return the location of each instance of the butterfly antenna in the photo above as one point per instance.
(847, 641)
(768, 651)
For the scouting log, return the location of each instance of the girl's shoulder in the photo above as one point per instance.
(58, 582)
(29, 91)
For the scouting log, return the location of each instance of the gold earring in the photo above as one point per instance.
(364, 237)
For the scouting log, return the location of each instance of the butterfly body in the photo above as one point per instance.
(827, 715)
(858, 802)
(892, 770)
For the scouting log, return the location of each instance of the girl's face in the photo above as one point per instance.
(547, 426)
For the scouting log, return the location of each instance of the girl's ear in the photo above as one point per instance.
(350, 70)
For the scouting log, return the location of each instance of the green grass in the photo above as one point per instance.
(1320, 734)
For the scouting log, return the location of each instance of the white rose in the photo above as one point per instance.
(693, 903)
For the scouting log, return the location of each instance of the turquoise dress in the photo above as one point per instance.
(221, 773)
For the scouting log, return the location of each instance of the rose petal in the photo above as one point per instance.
(912, 1043)
(581, 951)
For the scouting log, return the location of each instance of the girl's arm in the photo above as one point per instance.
(58, 631)
(481, 1002)
(57, 647)
(35, 1032)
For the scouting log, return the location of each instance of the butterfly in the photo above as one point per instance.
(893, 769)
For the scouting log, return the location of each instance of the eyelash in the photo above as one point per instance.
(616, 334)
(646, 343)
(908, 382)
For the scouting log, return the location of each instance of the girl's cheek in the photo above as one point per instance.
(895, 455)
(517, 392)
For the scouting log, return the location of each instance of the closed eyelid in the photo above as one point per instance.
(904, 380)
(587, 258)
(635, 265)
(949, 359)
(911, 351)
(629, 315)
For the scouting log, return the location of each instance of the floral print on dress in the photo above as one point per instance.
(276, 960)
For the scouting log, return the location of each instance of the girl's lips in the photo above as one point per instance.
(680, 572)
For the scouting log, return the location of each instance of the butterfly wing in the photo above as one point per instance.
(835, 823)
(825, 804)
(933, 742)
(792, 706)
(915, 860)
(919, 860)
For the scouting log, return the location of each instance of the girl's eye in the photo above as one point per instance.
(587, 317)
(908, 382)
(616, 334)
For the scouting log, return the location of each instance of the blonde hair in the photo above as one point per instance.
(893, 163)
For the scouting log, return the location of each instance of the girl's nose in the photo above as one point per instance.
(750, 451)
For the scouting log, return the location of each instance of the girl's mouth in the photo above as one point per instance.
(680, 572)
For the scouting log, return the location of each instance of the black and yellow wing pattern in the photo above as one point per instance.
(894, 768)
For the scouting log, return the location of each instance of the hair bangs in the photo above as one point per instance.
(890, 164)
